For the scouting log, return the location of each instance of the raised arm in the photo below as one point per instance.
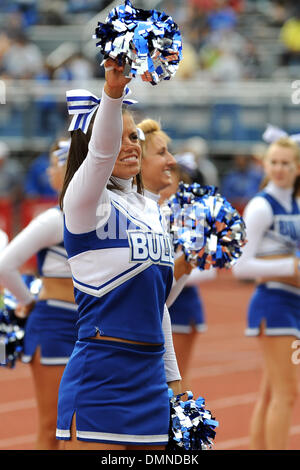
(89, 182)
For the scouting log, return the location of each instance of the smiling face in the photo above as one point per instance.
(128, 163)
(157, 164)
(282, 165)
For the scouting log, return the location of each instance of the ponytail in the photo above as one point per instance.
(77, 154)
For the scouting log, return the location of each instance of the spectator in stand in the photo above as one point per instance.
(23, 59)
(196, 29)
(227, 68)
(242, 182)
(11, 175)
(209, 5)
(77, 67)
(222, 16)
(290, 39)
(28, 11)
(4, 47)
(252, 66)
(20, 13)
(37, 182)
(194, 156)
(226, 55)
(237, 5)
(202, 5)
(189, 65)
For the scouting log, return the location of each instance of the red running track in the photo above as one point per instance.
(226, 371)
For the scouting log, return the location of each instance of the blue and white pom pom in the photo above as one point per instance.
(11, 331)
(209, 230)
(147, 41)
(192, 427)
(12, 328)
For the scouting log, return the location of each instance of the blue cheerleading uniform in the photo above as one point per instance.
(273, 230)
(187, 311)
(121, 260)
(145, 263)
(184, 302)
(51, 324)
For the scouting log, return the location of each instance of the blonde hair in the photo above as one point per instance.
(286, 142)
(151, 128)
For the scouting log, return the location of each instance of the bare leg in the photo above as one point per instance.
(183, 345)
(46, 382)
(258, 419)
(283, 375)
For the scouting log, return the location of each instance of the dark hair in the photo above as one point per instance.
(77, 154)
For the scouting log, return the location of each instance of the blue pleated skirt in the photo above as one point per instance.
(277, 308)
(51, 326)
(117, 391)
(187, 312)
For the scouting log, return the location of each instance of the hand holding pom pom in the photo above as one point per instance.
(192, 427)
(147, 41)
(115, 79)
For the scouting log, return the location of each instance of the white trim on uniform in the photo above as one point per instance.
(252, 331)
(54, 361)
(274, 332)
(282, 332)
(47, 361)
(181, 328)
(186, 329)
(106, 436)
(132, 218)
(63, 433)
(62, 304)
(282, 286)
(99, 292)
(26, 358)
(122, 437)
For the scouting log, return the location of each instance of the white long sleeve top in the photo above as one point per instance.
(118, 250)
(42, 236)
(268, 233)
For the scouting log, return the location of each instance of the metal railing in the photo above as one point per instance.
(226, 115)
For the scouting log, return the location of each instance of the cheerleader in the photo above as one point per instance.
(273, 231)
(50, 331)
(187, 310)
(158, 165)
(114, 390)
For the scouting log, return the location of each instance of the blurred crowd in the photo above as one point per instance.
(230, 40)
(219, 44)
(23, 58)
(219, 37)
